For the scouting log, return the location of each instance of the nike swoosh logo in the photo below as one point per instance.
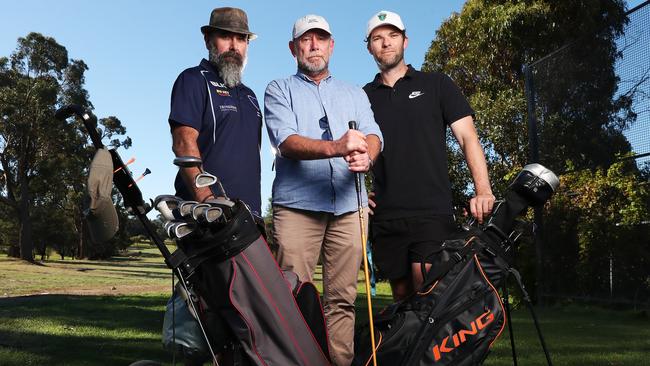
(415, 94)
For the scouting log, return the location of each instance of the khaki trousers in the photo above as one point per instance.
(304, 236)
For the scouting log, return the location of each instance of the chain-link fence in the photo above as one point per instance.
(589, 121)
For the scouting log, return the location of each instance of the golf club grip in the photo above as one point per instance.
(357, 176)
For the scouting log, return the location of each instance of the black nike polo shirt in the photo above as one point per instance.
(411, 174)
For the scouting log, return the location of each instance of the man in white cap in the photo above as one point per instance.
(314, 198)
(413, 212)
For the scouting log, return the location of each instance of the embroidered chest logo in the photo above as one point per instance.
(217, 84)
(227, 108)
(415, 94)
(223, 93)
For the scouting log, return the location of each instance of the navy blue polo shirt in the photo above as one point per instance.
(229, 124)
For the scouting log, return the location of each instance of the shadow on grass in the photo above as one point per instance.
(81, 330)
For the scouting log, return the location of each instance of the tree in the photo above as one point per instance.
(37, 170)
(484, 48)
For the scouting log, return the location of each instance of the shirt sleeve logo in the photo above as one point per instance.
(415, 94)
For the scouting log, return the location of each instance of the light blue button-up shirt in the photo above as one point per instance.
(298, 106)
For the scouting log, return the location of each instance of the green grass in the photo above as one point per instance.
(111, 312)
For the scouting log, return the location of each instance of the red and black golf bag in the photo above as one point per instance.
(458, 313)
(247, 303)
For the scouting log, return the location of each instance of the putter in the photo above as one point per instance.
(357, 185)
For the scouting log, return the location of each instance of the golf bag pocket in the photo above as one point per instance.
(452, 322)
(181, 332)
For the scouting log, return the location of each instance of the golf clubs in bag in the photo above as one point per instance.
(457, 314)
(247, 308)
(247, 303)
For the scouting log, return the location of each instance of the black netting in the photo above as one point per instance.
(591, 124)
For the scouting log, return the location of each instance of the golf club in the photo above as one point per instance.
(203, 179)
(198, 211)
(213, 214)
(179, 229)
(357, 185)
(185, 208)
(165, 204)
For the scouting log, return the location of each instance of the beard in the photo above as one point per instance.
(390, 62)
(312, 68)
(229, 64)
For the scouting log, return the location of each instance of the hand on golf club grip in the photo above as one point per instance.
(358, 162)
(351, 141)
(371, 203)
(481, 206)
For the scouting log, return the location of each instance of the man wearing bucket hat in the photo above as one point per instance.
(314, 199)
(216, 117)
(413, 212)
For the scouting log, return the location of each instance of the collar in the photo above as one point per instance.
(306, 78)
(376, 82)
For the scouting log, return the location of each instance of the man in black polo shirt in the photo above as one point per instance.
(413, 212)
(214, 116)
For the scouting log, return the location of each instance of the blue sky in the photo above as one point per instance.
(135, 50)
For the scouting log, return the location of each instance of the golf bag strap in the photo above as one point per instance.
(442, 269)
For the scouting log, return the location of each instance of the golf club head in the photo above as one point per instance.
(179, 229)
(213, 214)
(204, 180)
(198, 210)
(188, 162)
(225, 204)
(185, 208)
(165, 204)
(168, 225)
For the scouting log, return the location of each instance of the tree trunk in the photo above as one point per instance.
(80, 230)
(25, 240)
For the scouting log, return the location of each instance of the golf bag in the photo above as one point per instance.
(248, 310)
(247, 303)
(458, 313)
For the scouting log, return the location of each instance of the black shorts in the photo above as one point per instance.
(397, 243)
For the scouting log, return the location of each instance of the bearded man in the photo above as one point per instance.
(413, 212)
(214, 116)
(314, 198)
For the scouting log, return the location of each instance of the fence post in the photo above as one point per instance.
(533, 156)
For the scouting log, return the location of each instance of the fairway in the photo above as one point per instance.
(110, 313)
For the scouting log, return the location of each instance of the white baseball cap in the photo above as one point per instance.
(309, 22)
(384, 17)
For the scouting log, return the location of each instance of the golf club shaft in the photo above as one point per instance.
(366, 273)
